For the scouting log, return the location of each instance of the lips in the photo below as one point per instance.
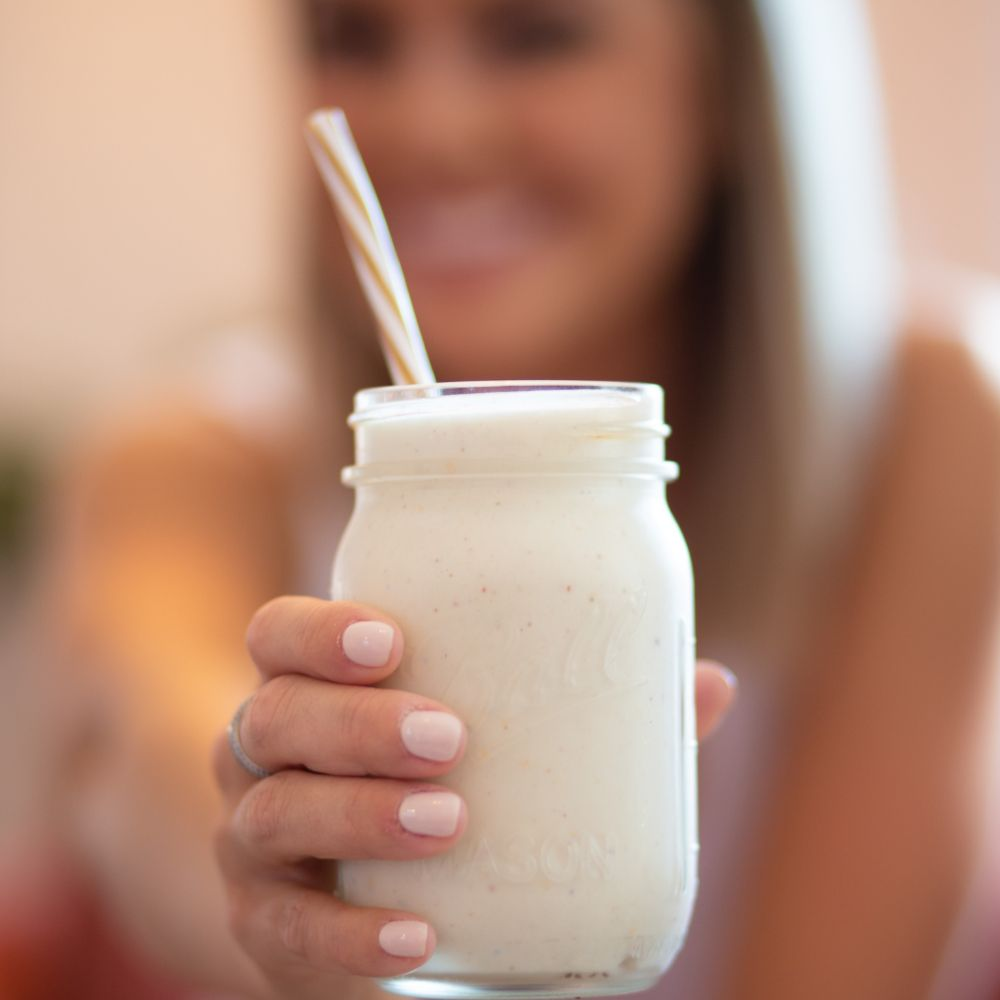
(468, 235)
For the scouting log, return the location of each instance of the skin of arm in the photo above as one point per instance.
(170, 537)
(873, 825)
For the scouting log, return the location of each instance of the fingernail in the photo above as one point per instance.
(433, 814)
(732, 681)
(432, 735)
(368, 644)
(404, 938)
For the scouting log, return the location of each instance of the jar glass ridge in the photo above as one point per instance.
(519, 534)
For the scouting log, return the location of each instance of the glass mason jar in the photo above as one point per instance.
(519, 534)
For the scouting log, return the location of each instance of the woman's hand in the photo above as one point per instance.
(354, 778)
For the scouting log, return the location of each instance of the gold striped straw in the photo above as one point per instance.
(375, 261)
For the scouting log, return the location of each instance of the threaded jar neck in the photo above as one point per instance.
(509, 429)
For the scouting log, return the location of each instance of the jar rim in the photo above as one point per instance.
(377, 400)
(488, 429)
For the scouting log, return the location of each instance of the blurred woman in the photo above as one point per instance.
(659, 190)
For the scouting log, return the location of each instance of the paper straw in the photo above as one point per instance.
(370, 245)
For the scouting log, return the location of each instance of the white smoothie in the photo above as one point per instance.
(522, 541)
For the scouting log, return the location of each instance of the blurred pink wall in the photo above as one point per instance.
(115, 246)
(116, 250)
(941, 71)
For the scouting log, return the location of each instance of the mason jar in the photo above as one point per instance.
(520, 536)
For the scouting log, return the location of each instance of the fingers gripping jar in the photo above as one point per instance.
(519, 534)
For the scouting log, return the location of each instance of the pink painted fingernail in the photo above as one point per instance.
(368, 644)
(404, 938)
(432, 735)
(732, 681)
(432, 814)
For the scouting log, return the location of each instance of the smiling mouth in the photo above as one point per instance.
(467, 236)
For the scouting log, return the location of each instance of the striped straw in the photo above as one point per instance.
(375, 261)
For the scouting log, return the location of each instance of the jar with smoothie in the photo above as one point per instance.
(520, 535)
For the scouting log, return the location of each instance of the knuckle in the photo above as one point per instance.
(316, 633)
(358, 820)
(267, 713)
(292, 926)
(260, 817)
(371, 821)
(261, 623)
(238, 910)
(238, 917)
(228, 860)
(360, 716)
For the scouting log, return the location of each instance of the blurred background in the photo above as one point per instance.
(151, 178)
(152, 154)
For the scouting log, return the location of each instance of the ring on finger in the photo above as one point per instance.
(233, 733)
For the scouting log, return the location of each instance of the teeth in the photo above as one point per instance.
(462, 233)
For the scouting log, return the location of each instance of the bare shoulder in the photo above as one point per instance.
(938, 476)
(949, 359)
(947, 401)
(925, 576)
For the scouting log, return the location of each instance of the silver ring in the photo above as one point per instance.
(233, 732)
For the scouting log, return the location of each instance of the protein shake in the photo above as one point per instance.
(520, 536)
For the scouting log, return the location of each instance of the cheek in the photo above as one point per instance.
(635, 160)
(623, 159)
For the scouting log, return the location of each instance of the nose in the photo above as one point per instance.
(445, 117)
